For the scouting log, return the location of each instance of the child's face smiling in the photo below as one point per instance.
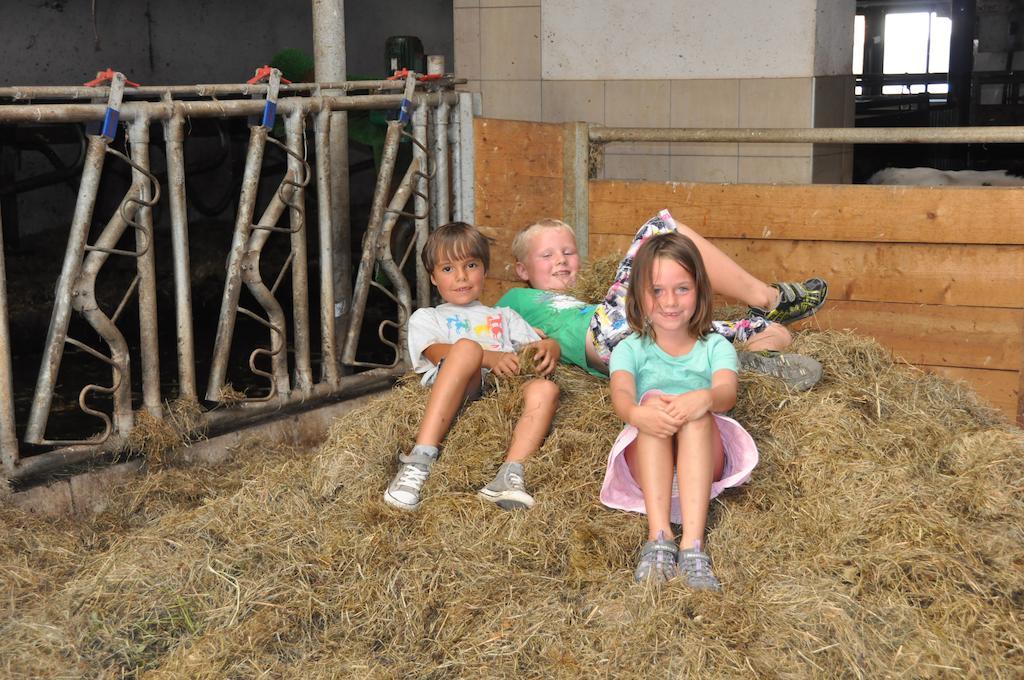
(459, 280)
(552, 261)
(672, 298)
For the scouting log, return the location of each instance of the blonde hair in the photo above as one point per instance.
(458, 241)
(521, 242)
(681, 250)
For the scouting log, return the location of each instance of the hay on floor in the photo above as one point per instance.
(881, 535)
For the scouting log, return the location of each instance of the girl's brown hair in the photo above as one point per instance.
(458, 241)
(681, 250)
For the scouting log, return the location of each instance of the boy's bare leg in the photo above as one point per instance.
(540, 399)
(458, 378)
(728, 278)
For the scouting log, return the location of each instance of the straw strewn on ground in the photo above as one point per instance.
(882, 535)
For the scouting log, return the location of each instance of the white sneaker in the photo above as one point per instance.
(404, 490)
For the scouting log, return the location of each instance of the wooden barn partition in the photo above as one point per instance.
(935, 274)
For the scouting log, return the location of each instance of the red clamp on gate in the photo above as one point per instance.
(274, 80)
(103, 77)
(263, 73)
(117, 82)
(405, 73)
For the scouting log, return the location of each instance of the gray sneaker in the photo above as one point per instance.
(508, 488)
(657, 561)
(695, 567)
(404, 490)
(799, 372)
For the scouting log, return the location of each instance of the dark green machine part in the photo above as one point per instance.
(403, 51)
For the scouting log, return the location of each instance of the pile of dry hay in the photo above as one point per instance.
(881, 535)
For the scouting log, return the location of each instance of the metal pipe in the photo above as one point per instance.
(421, 206)
(442, 192)
(295, 129)
(174, 135)
(329, 56)
(215, 422)
(455, 143)
(981, 135)
(466, 167)
(82, 113)
(328, 352)
(402, 295)
(8, 435)
(138, 133)
(233, 276)
(57, 332)
(29, 92)
(373, 229)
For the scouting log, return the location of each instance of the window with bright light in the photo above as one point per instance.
(916, 42)
(858, 49)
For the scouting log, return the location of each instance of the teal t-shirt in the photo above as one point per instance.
(653, 369)
(562, 317)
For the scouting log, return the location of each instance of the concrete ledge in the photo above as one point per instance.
(89, 492)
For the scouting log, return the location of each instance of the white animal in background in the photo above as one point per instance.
(932, 177)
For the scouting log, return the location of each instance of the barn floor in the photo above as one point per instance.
(882, 535)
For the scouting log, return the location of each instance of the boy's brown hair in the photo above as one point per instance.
(681, 250)
(456, 240)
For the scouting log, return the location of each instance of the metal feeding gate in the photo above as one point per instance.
(438, 183)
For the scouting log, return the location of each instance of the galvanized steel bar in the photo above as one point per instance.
(138, 134)
(364, 276)
(455, 144)
(82, 113)
(8, 435)
(214, 422)
(30, 92)
(174, 135)
(295, 131)
(329, 55)
(57, 332)
(421, 204)
(576, 183)
(233, 276)
(328, 352)
(441, 185)
(947, 135)
(466, 166)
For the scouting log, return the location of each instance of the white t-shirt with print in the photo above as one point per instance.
(498, 329)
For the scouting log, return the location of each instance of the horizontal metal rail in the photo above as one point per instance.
(969, 135)
(164, 110)
(30, 92)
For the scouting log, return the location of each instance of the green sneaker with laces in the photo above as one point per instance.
(796, 301)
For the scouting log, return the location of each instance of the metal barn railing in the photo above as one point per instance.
(438, 181)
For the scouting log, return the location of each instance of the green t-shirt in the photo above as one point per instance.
(653, 369)
(562, 317)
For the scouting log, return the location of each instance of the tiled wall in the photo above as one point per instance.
(498, 49)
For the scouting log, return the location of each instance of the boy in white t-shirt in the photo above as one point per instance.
(454, 345)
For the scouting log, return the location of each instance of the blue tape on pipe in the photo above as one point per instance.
(269, 113)
(110, 118)
(404, 116)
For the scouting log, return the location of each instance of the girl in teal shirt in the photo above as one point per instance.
(669, 380)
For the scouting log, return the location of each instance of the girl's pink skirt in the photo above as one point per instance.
(621, 492)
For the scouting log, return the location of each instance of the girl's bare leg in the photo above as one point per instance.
(650, 462)
(700, 460)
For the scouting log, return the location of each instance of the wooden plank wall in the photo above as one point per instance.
(519, 179)
(935, 274)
